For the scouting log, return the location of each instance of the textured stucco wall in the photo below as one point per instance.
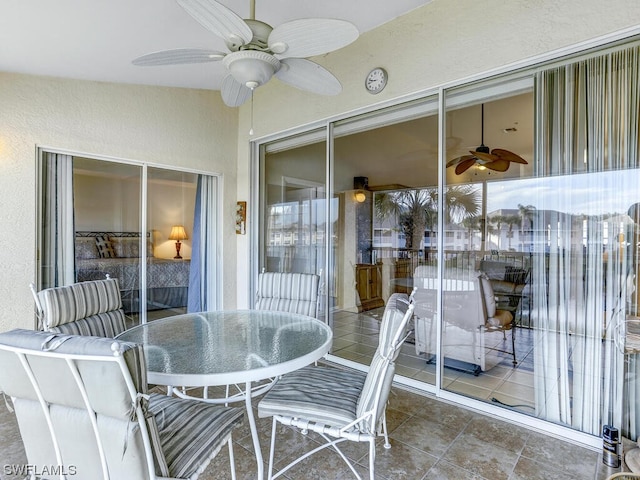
(166, 126)
(444, 41)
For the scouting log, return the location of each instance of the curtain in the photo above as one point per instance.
(587, 123)
(57, 244)
(202, 291)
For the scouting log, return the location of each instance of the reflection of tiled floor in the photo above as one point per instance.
(356, 337)
(431, 440)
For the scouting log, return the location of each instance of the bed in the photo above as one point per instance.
(118, 255)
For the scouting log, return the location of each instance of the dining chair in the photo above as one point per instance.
(84, 411)
(495, 319)
(288, 292)
(84, 308)
(339, 405)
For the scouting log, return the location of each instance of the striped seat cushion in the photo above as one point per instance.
(320, 394)
(191, 432)
(288, 292)
(96, 305)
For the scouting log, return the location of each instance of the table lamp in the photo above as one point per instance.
(178, 233)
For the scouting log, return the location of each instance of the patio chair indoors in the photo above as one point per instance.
(338, 404)
(85, 308)
(83, 411)
(288, 292)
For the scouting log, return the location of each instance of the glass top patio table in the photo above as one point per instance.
(229, 347)
(224, 347)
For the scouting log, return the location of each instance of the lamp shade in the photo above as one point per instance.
(178, 233)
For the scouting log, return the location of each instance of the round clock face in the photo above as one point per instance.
(376, 80)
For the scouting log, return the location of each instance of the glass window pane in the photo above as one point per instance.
(170, 219)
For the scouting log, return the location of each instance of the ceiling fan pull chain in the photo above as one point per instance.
(251, 129)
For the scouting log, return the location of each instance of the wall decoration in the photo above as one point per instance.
(241, 218)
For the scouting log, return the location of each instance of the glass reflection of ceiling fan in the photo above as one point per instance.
(497, 159)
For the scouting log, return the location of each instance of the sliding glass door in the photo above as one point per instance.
(294, 211)
(139, 224)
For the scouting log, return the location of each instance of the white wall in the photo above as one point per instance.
(167, 126)
(442, 42)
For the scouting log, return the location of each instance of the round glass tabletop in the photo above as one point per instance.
(223, 347)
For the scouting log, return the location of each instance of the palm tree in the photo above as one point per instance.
(497, 220)
(472, 224)
(511, 220)
(526, 214)
(416, 210)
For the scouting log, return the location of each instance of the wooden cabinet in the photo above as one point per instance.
(369, 286)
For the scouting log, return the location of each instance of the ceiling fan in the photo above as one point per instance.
(258, 51)
(497, 159)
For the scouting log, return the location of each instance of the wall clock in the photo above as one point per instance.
(376, 80)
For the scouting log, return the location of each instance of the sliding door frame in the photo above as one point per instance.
(215, 274)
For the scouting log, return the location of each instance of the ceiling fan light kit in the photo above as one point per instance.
(250, 67)
(259, 52)
(497, 159)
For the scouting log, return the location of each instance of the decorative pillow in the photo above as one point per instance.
(515, 274)
(126, 247)
(86, 248)
(129, 247)
(105, 247)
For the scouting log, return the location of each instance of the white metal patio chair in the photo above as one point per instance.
(289, 292)
(83, 411)
(337, 404)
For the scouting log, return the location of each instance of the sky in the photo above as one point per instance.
(589, 193)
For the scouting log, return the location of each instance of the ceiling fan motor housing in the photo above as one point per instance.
(259, 41)
(483, 149)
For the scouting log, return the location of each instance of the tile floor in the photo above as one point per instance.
(430, 439)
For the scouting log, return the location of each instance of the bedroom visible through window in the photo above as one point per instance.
(101, 217)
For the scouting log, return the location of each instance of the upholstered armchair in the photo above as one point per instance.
(470, 317)
(509, 283)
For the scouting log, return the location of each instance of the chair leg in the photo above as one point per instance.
(232, 462)
(387, 444)
(372, 458)
(513, 344)
(272, 448)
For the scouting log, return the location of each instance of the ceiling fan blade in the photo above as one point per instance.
(178, 56)
(218, 19)
(498, 165)
(486, 157)
(307, 37)
(309, 76)
(509, 156)
(459, 160)
(233, 92)
(465, 165)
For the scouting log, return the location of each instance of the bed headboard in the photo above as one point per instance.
(90, 244)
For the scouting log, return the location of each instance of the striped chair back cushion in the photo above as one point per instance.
(86, 308)
(377, 384)
(288, 292)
